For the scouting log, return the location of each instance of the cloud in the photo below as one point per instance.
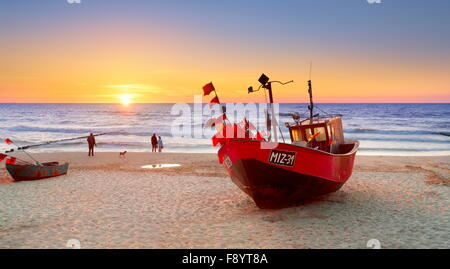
(143, 88)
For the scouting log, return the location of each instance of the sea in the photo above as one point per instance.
(382, 129)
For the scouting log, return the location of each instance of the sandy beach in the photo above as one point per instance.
(111, 202)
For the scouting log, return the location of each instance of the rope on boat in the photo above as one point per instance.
(326, 113)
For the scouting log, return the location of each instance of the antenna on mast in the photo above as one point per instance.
(266, 84)
(310, 69)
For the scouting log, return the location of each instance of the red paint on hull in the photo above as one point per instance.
(313, 172)
(33, 172)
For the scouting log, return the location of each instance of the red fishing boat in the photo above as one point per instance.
(278, 174)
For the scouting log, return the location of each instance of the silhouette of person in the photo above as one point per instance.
(91, 143)
(154, 142)
(160, 144)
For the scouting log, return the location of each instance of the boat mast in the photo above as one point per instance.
(268, 86)
(311, 104)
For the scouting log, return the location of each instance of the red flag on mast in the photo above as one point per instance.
(215, 100)
(208, 88)
(8, 141)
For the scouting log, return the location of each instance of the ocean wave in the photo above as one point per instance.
(123, 144)
(289, 114)
(417, 139)
(361, 130)
(66, 122)
(100, 144)
(394, 132)
(399, 127)
(146, 134)
(23, 128)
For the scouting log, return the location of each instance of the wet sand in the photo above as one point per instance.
(110, 202)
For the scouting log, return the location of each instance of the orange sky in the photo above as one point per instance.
(108, 76)
(97, 61)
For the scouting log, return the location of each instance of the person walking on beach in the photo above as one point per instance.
(91, 143)
(154, 142)
(160, 144)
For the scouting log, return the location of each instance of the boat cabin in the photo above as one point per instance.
(320, 133)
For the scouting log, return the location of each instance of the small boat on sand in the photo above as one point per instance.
(24, 172)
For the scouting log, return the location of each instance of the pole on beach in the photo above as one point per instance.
(54, 141)
(42, 144)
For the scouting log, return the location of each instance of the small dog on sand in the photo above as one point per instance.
(122, 154)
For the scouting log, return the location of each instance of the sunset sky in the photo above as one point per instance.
(102, 51)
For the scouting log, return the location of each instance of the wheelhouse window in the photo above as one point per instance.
(330, 133)
(322, 136)
(296, 135)
(308, 134)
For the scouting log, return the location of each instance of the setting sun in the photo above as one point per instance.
(125, 99)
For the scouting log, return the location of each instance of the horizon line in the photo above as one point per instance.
(138, 103)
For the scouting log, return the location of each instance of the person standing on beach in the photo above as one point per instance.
(160, 144)
(91, 143)
(154, 142)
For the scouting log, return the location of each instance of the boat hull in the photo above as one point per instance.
(33, 172)
(271, 185)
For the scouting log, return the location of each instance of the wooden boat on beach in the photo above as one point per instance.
(25, 172)
(278, 174)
